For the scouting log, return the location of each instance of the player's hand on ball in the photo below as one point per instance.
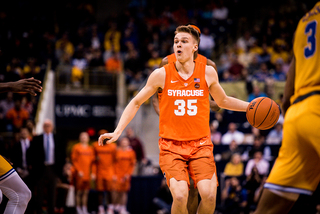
(107, 138)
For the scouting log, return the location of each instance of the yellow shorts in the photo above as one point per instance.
(297, 167)
(179, 159)
(5, 168)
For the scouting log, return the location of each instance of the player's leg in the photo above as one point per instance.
(208, 192)
(294, 171)
(276, 202)
(84, 201)
(193, 199)
(179, 191)
(17, 192)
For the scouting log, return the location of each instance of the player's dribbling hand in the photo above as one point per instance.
(107, 138)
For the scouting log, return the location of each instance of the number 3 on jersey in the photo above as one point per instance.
(191, 107)
(311, 32)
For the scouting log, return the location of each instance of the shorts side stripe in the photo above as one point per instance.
(287, 189)
(4, 176)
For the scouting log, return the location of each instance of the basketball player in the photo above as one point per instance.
(105, 160)
(296, 170)
(83, 157)
(185, 145)
(197, 57)
(11, 185)
(193, 192)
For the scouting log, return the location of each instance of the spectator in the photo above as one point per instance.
(254, 65)
(79, 63)
(235, 166)
(96, 59)
(256, 93)
(245, 58)
(215, 134)
(17, 115)
(6, 104)
(233, 149)
(163, 199)
(111, 40)
(245, 41)
(207, 43)
(258, 145)
(64, 185)
(114, 63)
(232, 134)
(262, 74)
(64, 46)
(46, 158)
(259, 163)
(275, 135)
(279, 74)
(124, 166)
(19, 156)
(234, 196)
(137, 147)
(82, 157)
(154, 61)
(235, 68)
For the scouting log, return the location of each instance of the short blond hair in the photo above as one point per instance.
(188, 29)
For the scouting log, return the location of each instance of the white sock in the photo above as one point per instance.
(85, 209)
(101, 208)
(111, 207)
(79, 211)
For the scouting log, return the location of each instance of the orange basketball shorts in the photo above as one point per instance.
(103, 183)
(179, 159)
(82, 184)
(123, 184)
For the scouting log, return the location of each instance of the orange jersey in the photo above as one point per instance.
(184, 105)
(82, 158)
(125, 162)
(200, 58)
(105, 158)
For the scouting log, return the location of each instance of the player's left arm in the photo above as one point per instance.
(289, 87)
(213, 104)
(219, 95)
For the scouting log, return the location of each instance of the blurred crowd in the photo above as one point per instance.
(250, 44)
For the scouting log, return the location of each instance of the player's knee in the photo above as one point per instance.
(24, 197)
(209, 198)
(180, 198)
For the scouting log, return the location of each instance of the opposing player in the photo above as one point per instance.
(296, 170)
(185, 147)
(193, 192)
(11, 185)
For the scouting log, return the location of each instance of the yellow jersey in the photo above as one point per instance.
(306, 48)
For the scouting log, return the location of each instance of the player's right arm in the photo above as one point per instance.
(156, 80)
(29, 85)
(155, 100)
(289, 87)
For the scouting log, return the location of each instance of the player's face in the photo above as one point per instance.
(84, 137)
(184, 46)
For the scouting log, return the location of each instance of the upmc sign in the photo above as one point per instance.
(85, 111)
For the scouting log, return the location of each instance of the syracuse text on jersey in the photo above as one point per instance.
(186, 93)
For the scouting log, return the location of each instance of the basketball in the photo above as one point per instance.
(263, 113)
